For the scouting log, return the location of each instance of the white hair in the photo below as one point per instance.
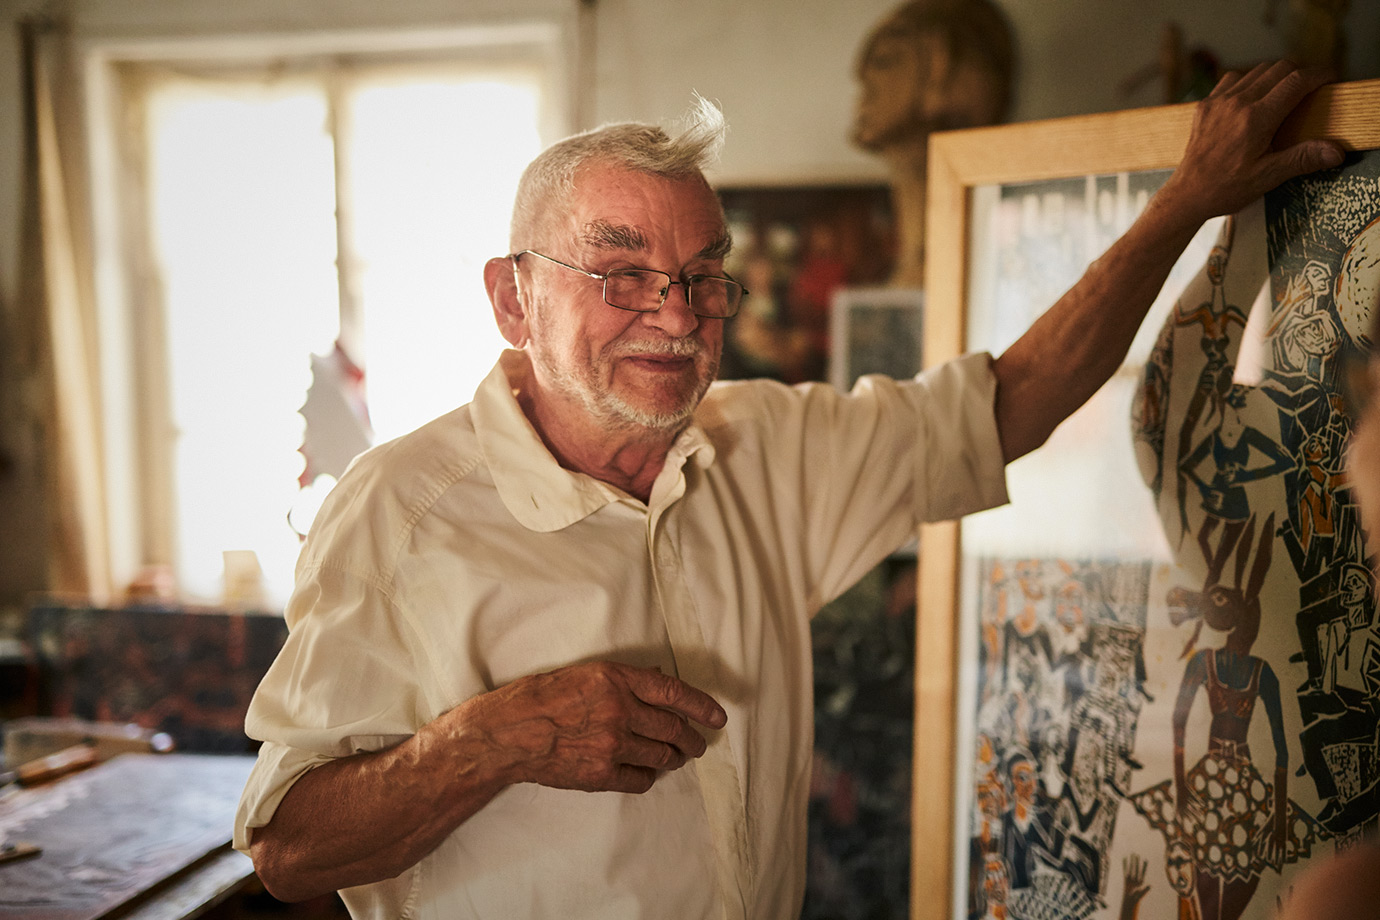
(550, 178)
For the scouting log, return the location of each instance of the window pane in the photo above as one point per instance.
(433, 164)
(242, 213)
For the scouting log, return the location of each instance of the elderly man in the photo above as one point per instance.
(550, 654)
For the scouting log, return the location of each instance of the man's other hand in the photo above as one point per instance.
(600, 726)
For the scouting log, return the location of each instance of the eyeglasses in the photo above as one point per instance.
(643, 290)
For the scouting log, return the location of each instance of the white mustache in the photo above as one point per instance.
(675, 348)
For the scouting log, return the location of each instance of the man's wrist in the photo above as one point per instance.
(472, 751)
(1176, 211)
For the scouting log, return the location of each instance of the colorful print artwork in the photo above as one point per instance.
(1176, 728)
(1060, 688)
(1270, 570)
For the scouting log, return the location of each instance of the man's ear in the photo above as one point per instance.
(501, 281)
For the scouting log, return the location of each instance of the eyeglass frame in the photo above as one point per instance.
(665, 291)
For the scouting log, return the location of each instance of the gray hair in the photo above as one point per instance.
(550, 178)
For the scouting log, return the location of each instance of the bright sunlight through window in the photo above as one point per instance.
(243, 203)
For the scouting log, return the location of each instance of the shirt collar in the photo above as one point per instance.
(537, 491)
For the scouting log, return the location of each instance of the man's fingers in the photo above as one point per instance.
(1226, 82)
(1229, 160)
(665, 726)
(1288, 91)
(1237, 82)
(657, 689)
(1303, 157)
(632, 779)
(653, 755)
(1262, 79)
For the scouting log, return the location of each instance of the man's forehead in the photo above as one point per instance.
(598, 183)
(627, 210)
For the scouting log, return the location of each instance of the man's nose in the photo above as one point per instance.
(675, 317)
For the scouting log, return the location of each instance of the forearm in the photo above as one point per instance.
(1075, 346)
(1228, 163)
(371, 816)
(597, 727)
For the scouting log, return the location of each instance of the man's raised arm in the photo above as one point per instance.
(1070, 351)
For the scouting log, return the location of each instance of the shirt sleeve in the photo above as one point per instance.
(344, 683)
(277, 768)
(894, 454)
(959, 465)
(843, 479)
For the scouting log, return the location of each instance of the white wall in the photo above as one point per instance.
(781, 69)
(1075, 52)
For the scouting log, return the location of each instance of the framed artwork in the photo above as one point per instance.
(874, 331)
(794, 248)
(1150, 686)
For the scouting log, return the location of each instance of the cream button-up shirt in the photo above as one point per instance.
(461, 557)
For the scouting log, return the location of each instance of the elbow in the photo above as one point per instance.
(289, 874)
(277, 873)
(1022, 430)
(1016, 444)
(1026, 415)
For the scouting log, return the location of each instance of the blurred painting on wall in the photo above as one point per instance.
(793, 248)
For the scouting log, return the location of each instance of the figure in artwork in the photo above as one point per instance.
(1324, 237)
(1234, 822)
(1178, 869)
(1231, 448)
(1150, 409)
(1302, 380)
(1216, 318)
(1057, 715)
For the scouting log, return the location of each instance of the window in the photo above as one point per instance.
(289, 207)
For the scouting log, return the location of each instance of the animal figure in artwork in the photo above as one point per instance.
(1222, 813)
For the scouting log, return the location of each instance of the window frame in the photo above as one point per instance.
(136, 414)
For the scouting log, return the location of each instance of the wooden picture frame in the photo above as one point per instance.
(961, 162)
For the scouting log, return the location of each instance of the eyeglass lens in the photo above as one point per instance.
(645, 290)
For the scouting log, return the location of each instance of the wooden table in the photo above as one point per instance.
(140, 837)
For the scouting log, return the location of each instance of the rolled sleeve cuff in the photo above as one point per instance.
(277, 768)
(962, 470)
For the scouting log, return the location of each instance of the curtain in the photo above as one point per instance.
(56, 301)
